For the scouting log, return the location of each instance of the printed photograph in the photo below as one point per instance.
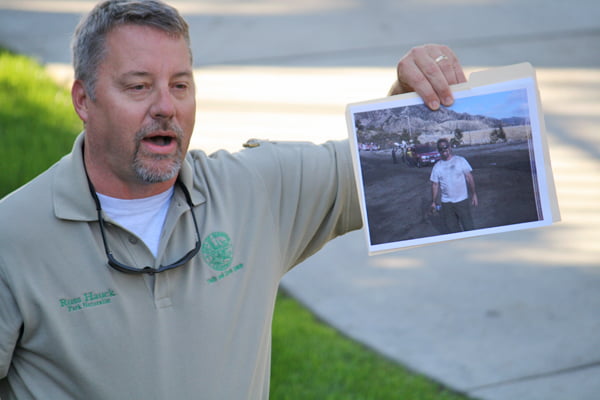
(459, 171)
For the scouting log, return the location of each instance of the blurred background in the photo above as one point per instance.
(508, 316)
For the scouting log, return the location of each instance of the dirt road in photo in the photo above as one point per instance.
(398, 196)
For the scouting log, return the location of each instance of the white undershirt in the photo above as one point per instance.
(143, 217)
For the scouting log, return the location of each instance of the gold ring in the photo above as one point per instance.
(441, 58)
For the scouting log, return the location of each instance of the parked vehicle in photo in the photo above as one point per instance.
(421, 155)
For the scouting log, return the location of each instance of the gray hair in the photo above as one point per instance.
(89, 40)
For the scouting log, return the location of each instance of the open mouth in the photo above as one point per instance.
(160, 140)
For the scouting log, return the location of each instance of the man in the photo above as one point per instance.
(133, 269)
(452, 177)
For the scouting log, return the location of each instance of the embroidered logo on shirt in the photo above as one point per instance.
(217, 252)
(87, 300)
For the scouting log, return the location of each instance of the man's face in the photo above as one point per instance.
(139, 126)
(444, 150)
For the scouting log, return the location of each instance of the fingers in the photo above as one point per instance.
(447, 62)
(429, 70)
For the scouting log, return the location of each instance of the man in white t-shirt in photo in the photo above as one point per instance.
(451, 177)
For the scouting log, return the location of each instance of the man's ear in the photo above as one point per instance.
(80, 100)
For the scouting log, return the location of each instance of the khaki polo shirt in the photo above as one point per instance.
(73, 328)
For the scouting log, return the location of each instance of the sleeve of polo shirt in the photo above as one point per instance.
(312, 192)
(10, 326)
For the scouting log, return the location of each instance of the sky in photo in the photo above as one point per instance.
(512, 103)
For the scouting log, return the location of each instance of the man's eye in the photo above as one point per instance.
(137, 87)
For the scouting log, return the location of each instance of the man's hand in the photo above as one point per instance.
(429, 70)
(474, 200)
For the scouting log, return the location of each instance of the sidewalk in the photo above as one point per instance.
(504, 317)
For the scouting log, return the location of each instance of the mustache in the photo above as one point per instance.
(158, 126)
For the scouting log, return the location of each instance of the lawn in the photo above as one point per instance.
(37, 121)
(310, 359)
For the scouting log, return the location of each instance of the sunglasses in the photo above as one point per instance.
(119, 266)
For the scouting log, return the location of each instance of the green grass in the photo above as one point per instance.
(310, 359)
(37, 121)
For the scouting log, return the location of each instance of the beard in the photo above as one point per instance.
(157, 168)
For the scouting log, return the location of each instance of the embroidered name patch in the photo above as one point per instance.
(87, 300)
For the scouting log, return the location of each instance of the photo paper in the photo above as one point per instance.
(477, 167)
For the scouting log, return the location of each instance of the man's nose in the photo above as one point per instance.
(163, 106)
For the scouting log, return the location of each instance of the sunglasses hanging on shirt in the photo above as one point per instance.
(119, 266)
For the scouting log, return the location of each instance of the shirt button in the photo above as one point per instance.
(133, 240)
